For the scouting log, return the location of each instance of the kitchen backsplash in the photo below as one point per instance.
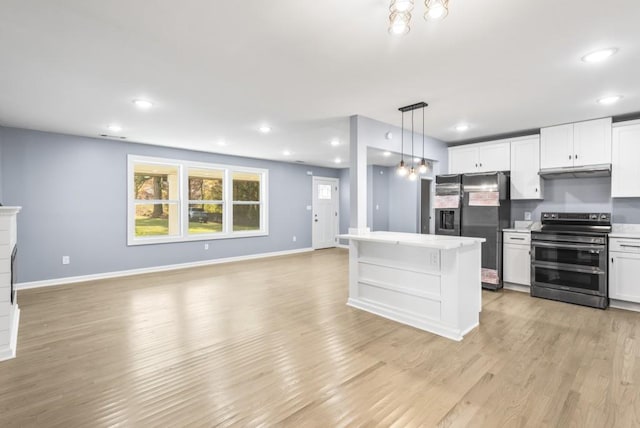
(579, 195)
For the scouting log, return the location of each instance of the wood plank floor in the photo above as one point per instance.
(271, 343)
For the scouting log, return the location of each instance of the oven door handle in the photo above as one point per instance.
(568, 267)
(596, 247)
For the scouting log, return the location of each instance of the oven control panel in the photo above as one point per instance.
(576, 218)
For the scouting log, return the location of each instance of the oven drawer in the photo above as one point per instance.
(517, 238)
(627, 245)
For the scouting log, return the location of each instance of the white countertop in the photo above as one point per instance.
(440, 242)
(620, 230)
(517, 230)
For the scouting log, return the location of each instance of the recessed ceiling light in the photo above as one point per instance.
(286, 153)
(335, 142)
(338, 160)
(114, 127)
(222, 143)
(609, 100)
(386, 154)
(599, 55)
(265, 129)
(143, 104)
(462, 127)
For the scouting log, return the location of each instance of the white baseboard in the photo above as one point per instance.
(342, 246)
(629, 306)
(517, 287)
(131, 272)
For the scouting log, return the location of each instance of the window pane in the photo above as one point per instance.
(246, 186)
(159, 182)
(157, 219)
(324, 191)
(205, 218)
(246, 217)
(205, 184)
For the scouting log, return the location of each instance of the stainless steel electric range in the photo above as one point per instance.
(569, 258)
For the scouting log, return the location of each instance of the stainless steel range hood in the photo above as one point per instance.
(603, 170)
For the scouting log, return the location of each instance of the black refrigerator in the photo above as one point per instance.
(486, 211)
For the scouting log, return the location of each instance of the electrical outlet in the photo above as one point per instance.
(295, 238)
(527, 215)
(308, 207)
(66, 260)
(206, 246)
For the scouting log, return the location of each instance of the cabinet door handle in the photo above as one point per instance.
(536, 190)
(611, 259)
(480, 164)
(569, 156)
(575, 156)
(517, 239)
(476, 165)
(630, 246)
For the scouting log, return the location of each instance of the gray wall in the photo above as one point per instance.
(1, 166)
(403, 203)
(379, 201)
(74, 198)
(579, 194)
(344, 201)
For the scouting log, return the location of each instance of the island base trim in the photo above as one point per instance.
(9, 351)
(432, 326)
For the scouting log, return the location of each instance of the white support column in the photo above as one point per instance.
(358, 179)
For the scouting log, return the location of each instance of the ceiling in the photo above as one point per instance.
(216, 71)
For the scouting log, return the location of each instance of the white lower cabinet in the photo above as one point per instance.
(516, 258)
(624, 269)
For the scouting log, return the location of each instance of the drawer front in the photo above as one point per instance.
(627, 245)
(517, 238)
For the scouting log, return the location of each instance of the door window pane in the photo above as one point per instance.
(205, 218)
(157, 219)
(246, 217)
(324, 191)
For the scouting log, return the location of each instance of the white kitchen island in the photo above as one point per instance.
(431, 282)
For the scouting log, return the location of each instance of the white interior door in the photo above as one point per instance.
(324, 219)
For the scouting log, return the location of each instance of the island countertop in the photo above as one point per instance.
(440, 242)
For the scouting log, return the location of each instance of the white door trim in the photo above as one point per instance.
(336, 209)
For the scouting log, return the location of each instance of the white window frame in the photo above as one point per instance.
(183, 178)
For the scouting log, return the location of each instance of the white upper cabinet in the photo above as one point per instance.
(463, 159)
(576, 144)
(525, 164)
(592, 142)
(556, 146)
(482, 157)
(494, 157)
(625, 162)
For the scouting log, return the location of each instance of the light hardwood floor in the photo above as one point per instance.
(271, 342)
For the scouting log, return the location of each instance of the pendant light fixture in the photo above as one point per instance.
(402, 168)
(400, 14)
(423, 162)
(412, 170)
(436, 9)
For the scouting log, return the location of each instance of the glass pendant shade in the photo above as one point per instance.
(436, 9)
(401, 6)
(423, 167)
(399, 23)
(412, 174)
(402, 169)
